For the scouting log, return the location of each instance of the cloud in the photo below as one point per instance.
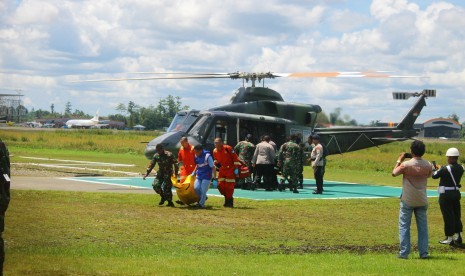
(45, 44)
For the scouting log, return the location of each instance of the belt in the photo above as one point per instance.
(450, 188)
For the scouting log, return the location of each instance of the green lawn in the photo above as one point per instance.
(71, 233)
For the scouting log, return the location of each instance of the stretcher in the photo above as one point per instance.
(185, 190)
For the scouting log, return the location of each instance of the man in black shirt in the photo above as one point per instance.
(449, 197)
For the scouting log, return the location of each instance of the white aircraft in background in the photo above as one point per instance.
(83, 123)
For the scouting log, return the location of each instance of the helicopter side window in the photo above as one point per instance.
(190, 119)
(176, 124)
(221, 130)
(199, 130)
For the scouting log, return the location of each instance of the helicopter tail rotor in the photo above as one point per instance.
(405, 95)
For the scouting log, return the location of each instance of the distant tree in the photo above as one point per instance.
(322, 119)
(454, 117)
(67, 108)
(133, 111)
(121, 108)
(334, 116)
(41, 114)
(374, 123)
(462, 131)
(118, 118)
(80, 114)
(336, 119)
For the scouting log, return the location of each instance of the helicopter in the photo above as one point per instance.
(261, 110)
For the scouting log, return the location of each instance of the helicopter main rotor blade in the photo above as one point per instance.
(159, 78)
(356, 74)
(180, 73)
(256, 76)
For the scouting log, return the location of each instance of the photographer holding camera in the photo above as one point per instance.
(413, 199)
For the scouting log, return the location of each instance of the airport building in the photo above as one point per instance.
(441, 128)
(434, 128)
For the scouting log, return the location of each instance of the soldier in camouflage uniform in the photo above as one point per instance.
(245, 150)
(4, 196)
(162, 183)
(289, 158)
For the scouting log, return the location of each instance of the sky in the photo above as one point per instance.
(46, 45)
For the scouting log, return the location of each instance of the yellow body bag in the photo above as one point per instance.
(185, 190)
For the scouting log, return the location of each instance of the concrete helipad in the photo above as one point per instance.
(332, 189)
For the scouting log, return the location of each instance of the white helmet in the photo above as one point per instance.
(452, 152)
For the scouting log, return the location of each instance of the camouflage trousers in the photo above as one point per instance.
(291, 172)
(163, 186)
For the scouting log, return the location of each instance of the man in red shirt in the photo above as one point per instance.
(227, 162)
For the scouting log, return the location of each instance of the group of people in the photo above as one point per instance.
(195, 160)
(265, 160)
(224, 164)
(414, 200)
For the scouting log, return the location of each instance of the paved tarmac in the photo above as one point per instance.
(62, 184)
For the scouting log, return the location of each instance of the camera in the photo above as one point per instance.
(434, 164)
(408, 155)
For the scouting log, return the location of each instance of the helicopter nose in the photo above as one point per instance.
(170, 141)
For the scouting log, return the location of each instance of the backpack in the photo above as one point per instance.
(325, 150)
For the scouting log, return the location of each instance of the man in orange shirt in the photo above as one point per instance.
(186, 160)
(227, 162)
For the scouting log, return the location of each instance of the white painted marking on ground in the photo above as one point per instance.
(78, 161)
(114, 179)
(105, 183)
(82, 169)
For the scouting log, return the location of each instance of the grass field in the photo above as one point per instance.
(73, 233)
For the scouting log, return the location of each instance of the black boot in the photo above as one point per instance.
(162, 201)
(170, 204)
(229, 203)
(225, 201)
(295, 190)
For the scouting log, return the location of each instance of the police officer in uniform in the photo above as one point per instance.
(162, 184)
(449, 197)
(4, 196)
(318, 162)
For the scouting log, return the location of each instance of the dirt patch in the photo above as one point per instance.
(309, 249)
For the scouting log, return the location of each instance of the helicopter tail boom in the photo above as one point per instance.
(409, 119)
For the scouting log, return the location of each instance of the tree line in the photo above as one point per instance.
(152, 117)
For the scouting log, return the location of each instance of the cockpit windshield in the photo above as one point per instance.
(183, 120)
(199, 130)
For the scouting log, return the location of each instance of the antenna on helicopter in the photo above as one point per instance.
(406, 95)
